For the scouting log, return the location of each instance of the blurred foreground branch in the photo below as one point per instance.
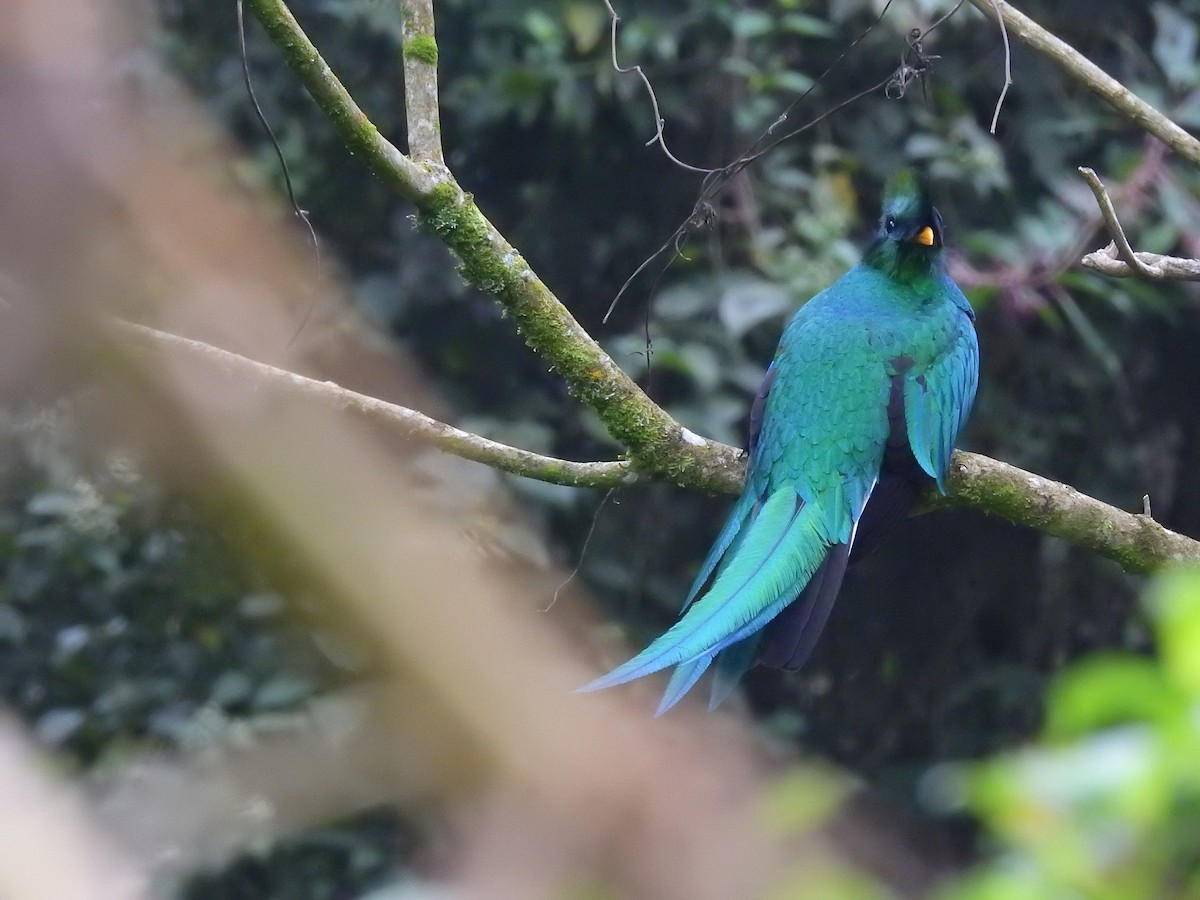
(49, 847)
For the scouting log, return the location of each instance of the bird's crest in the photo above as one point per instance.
(903, 186)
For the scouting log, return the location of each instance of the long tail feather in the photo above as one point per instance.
(791, 637)
(731, 666)
(782, 547)
(682, 680)
(746, 508)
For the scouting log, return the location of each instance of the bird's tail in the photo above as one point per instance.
(773, 558)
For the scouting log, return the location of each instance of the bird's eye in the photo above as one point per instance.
(889, 224)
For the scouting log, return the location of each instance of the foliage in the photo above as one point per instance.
(127, 624)
(117, 607)
(1107, 804)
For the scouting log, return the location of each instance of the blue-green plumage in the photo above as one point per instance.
(873, 379)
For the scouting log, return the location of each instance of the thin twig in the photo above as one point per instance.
(1113, 223)
(301, 214)
(1007, 67)
(587, 541)
(659, 123)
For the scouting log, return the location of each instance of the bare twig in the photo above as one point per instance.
(1161, 268)
(1112, 222)
(297, 210)
(1007, 68)
(659, 123)
(1035, 272)
(1119, 259)
(1094, 78)
(420, 82)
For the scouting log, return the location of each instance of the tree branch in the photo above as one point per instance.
(399, 419)
(655, 442)
(1112, 222)
(420, 82)
(1137, 542)
(1094, 78)
(1119, 259)
(1154, 266)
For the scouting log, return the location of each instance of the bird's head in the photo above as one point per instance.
(908, 244)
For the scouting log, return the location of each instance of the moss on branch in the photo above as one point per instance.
(422, 48)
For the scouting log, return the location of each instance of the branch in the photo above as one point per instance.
(398, 419)
(1094, 78)
(1119, 259)
(1153, 266)
(655, 442)
(420, 82)
(1112, 222)
(1137, 542)
(659, 123)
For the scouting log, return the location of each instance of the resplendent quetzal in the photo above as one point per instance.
(858, 413)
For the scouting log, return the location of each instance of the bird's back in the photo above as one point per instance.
(826, 421)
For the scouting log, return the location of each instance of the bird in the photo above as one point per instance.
(858, 414)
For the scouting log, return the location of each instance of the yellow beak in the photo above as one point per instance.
(924, 236)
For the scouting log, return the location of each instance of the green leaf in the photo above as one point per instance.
(1174, 602)
(1106, 690)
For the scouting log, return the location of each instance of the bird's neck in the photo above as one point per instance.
(911, 265)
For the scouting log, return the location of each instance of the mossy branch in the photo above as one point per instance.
(1136, 542)
(420, 82)
(656, 444)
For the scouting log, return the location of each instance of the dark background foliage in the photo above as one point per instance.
(943, 642)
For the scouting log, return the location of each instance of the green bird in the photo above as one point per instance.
(858, 413)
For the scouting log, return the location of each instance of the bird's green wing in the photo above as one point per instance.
(938, 400)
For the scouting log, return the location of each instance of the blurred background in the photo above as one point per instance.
(143, 618)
